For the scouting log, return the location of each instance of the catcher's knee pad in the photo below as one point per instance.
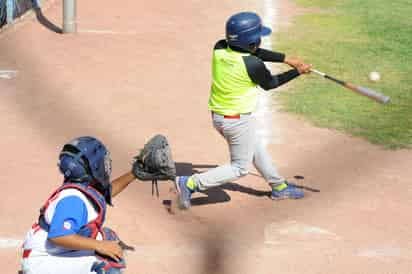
(103, 266)
(109, 234)
(106, 265)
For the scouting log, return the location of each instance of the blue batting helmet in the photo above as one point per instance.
(86, 160)
(244, 30)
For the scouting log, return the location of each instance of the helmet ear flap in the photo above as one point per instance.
(254, 46)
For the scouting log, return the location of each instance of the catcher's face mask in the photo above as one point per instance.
(107, 166)
(106, 184)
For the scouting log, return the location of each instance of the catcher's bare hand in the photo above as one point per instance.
(111, 249)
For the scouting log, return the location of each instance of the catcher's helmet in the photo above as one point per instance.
(86, 160)
(244, 30)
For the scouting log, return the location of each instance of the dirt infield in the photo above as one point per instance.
(142, 68)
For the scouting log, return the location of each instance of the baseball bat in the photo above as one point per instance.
(370, 93)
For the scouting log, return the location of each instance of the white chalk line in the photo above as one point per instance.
(277, 233)
(10, 243)
(8, 74)
(294, 234)
(265, 109)
(386, 252)
(103, 31)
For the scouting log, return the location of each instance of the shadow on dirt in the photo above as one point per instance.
(214, 196)
(46, 22)
(218, 194)
(245, 189)
(188, 169)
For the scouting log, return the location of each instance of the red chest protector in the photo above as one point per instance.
(92, 228)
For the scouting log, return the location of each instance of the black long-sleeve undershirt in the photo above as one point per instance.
(269, 56)
(261, 75)
(257, 70)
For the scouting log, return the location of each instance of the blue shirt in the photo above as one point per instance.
(69, 216)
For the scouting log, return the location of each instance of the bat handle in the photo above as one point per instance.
(324, 75)
(318, 72)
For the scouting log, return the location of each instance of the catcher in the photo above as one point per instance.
(69, 236)
(237, 70)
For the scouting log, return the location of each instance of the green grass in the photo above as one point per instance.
(348, 39)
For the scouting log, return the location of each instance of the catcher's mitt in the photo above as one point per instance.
(155, 162)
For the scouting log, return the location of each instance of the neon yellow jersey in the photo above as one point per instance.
(232, 90)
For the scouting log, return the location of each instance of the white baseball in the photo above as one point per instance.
(374, 76)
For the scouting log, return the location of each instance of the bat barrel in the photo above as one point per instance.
(369, 93)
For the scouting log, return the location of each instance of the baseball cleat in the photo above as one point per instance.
(184, 193)
(289, 192)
